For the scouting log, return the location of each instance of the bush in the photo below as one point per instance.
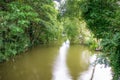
(14, 25)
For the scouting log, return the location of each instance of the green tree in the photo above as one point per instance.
(103, 19)
(14, 24)
(49, 25)
(26, 23)
(71, 29)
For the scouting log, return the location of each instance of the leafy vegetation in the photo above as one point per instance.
(14, 25)
(103, 19)
(49, 25)
(27, 23)
(71, 30)
(24, 25)
(111, 49)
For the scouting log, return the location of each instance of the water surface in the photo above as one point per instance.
(65, 62)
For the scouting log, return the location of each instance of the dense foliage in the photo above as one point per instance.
(111, 49)
(49, 25)
(99, 16)
(103, 19)
(71, 30)
(76, 31)
(74, 26)
(14, 25)
(26, 23)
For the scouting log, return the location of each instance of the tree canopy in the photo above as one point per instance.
(103, 19)
(27, 23)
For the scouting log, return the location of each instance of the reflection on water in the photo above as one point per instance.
(72, 63)
(60, 70)
(33, 65)
(101, 72)
(77, 60)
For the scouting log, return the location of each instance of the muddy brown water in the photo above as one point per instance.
(65, 62)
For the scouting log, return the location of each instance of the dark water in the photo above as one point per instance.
(68, 62)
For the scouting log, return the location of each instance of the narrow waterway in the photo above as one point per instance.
(65, 62)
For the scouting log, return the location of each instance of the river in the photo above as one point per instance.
(65, 62)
